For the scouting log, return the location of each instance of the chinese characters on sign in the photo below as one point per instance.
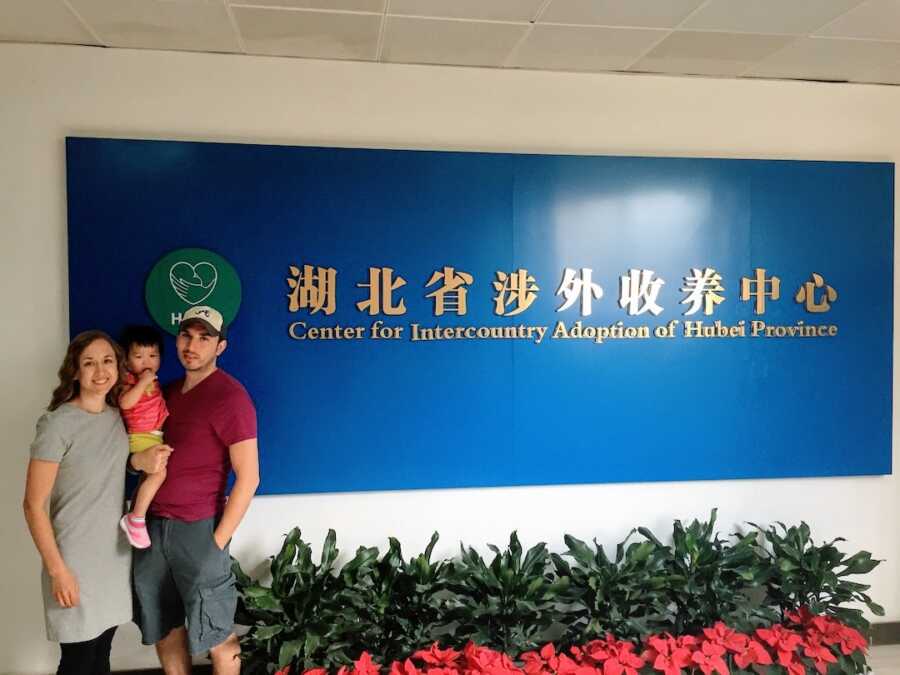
(313, 288)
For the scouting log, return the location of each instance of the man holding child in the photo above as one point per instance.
(185, 594)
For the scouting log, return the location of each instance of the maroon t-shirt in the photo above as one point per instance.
(202, 423)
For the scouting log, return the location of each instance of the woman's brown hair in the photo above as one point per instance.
(69, 388)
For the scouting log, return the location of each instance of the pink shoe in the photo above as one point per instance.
(135, 530)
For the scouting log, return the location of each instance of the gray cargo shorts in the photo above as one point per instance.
(184, 579)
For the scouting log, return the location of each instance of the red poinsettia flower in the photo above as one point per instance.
(441, 671)
(405, 668)
(365, 666)
(780, 638)
(791, 663)
(564, 665)
(751, 652)
(801, 617)
(709, 658)
(820, 653)
(728, 638)
(483, 661)
(435, 656)
(832, 632)
(477, 657)
(687, 641)
(534, 663)
(785, 643)
(595, 651)
(666, 655)
(711, 648)
(852, 641)
(311, 671)
(624, 662)
(617, 657)
(284, 671)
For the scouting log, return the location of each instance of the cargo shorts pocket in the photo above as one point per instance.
(217, 606)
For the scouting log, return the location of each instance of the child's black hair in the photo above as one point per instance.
(143, 336)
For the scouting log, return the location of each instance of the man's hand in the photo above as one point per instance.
(152, 459)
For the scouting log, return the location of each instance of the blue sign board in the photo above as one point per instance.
(415, 319)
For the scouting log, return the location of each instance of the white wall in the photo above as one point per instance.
(48, 92)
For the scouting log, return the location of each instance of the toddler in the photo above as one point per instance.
(144, 411)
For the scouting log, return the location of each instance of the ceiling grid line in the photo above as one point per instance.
(829, 40)
(305, 10)
(513, 53)
(88, 27)
(235, 27)
(839, 16)
(668, 33)
(382, 28)
(810, 35)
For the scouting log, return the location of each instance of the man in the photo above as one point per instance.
(184, 588)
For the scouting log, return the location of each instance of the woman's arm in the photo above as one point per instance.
(38, 485)
(150, 460)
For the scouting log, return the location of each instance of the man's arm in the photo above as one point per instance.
(245, 463)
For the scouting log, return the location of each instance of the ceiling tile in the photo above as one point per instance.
(888, 69)
(584, 48)
(821, 59)
(634, 13)
(875, 20)
(376, 6)
(709, 53)
(41, 21)
(485, 10)
(324, 35)
(467, 43)
(155, 24)
(799, 17)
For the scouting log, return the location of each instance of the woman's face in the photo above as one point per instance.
(98, 371)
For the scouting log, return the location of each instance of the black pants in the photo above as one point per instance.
(86, 658)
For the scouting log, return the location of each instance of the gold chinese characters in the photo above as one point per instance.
(314, 289)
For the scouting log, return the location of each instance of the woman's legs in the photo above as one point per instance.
(86, 658)
(104, 646)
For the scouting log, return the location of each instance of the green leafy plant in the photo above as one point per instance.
(709, 579)
(625, 596)
(319, 615)
(293, 619)
(509, 603)
(802, 573)
(389, 607)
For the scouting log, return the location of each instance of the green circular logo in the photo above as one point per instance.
(187, 278)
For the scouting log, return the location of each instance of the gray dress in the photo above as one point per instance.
(85, 506)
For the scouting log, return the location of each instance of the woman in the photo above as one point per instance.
(78, 464)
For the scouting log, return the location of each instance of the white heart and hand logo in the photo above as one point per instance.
(193, 283)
